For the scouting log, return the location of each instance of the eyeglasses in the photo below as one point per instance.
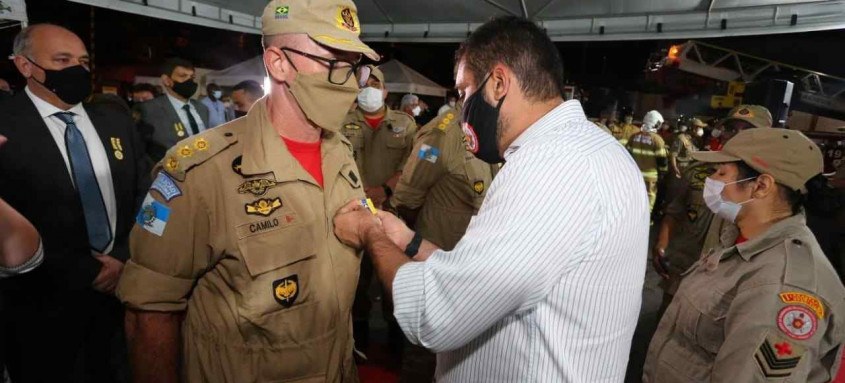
(339, 70)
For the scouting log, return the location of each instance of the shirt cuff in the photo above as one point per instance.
(409, 299)
(27, 266)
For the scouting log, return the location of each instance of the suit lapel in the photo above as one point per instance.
(49, 157)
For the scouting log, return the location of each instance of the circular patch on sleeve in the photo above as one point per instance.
(797, 322)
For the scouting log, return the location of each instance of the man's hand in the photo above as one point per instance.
(3, 139)
(109, 275)
(395, 229)
(352, 222)
(377, 195)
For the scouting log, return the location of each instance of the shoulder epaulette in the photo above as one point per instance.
(193, 151)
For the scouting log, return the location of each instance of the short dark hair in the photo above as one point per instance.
(523, 47)
(145, 87)
(170, 65)
(251, 87)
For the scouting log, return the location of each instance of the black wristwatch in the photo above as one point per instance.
(414, 247)
(387, 190)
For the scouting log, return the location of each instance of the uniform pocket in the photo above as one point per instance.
(263, 253)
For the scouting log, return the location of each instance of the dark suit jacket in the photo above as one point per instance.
(158, 122)
(35, 181)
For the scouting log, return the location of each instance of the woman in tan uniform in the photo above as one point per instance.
(766, 305)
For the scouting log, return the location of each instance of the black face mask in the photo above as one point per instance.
(480, 122)
(239, 114)
(71, 85)
(186, 88)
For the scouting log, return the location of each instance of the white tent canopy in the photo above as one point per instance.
(564, 20)
(12, 13)
(252, 69)
(400, 78)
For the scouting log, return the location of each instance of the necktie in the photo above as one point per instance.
(96, 216)
(194, 128)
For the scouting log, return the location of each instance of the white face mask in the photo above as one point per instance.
(370, 99)
(217, 94)
(699, 132)
(713, 198)
(416, 111)
(716, 133)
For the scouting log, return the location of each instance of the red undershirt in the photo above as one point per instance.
(741, 239)
(374, 122)
(309, 156)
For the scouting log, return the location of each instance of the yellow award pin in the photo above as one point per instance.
(368, 203)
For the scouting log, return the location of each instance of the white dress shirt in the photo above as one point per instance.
(183, 116)
(96, 151)
(545, 286)
(216, 111)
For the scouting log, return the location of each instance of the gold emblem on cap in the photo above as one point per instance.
(282, 12)
(347, 19)
(744, 112)
(201, 144)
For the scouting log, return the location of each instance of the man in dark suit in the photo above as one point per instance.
(76, 172)
(169, 118)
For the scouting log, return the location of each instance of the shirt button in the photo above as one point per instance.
(797, 242)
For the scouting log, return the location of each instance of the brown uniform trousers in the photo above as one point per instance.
(239, 236)
(769, 309)
(447, 185)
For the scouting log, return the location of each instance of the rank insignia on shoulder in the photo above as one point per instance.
(442, 126)
(797, 322)
(186, 151)
(353, 177)
(777, 357)
(166, 186)
(257, 187)
(478, 186)
(808, 300)
(172, 164)
(153, 216)
(263, 207)
(201, 144)
(286, 290)
(352, 127)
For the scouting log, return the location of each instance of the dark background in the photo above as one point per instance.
(125, 45)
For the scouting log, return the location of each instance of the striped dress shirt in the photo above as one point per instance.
(546, 284)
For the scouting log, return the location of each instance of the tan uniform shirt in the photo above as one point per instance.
(380, 152)
(444, 180)
(771, 309)
(240, 236)
(682, 148)
(649, 150)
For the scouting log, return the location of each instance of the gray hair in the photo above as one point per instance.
(409, 99)
(22, 45)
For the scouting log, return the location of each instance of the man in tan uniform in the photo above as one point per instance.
(624, 130)
(441, 189)
(680, 149)
(764, 308)
(381, 137)
(649, 150)
(235, 235)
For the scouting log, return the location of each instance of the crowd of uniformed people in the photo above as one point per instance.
(209, 246)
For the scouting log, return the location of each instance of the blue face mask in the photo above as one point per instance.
(713, 198)
(217, 94)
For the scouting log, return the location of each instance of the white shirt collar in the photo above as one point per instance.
(571, 109)
(178, 104)
(46, 109)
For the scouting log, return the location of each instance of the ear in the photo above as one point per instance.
(166, 81)
(278, 67)
(24, 66)
(384, 94)
(501, 80)
(766, 186)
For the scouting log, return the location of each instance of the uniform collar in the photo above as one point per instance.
(771, 238)
(264, 151)
(388, 116)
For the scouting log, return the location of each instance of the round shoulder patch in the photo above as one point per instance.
(797, 322)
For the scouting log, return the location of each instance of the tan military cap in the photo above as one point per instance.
(753, 114)
(697, 123)
(333, 23)
(787, 155)
(377, 73)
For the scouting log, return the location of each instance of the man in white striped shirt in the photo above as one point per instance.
(546, 284)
